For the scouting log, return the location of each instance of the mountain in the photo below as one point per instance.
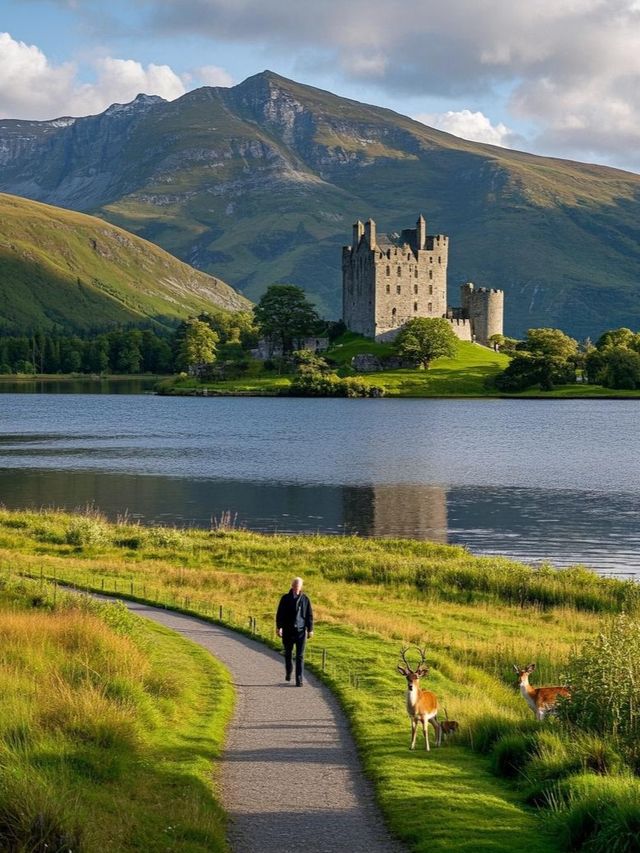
(64, 269)
(262, 181)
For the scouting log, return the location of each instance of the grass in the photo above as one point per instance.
(477, 617)
(462, 376)
(61, 268)
(109, 727)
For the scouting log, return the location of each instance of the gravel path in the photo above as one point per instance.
(291, 779)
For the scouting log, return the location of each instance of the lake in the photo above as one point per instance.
(534, 479)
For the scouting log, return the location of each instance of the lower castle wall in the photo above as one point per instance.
(460, 328)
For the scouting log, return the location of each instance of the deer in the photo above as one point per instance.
(541, 700)
(447, 726)
(422, 705)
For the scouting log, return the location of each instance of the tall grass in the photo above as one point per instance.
(89, 721)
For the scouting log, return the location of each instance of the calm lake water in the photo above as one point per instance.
(538, 480)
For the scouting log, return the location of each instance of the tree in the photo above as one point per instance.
(621, 368)
(425, 338)
(551, 342)
(285, 316)
(617, 338)
(526, 369)
(196, 344)
(237, 327)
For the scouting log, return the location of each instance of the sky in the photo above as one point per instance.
(556, 77)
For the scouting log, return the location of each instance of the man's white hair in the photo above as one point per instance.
(297, 582)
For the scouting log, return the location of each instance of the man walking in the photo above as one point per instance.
(294, 622)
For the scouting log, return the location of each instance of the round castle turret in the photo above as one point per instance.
(484, 308)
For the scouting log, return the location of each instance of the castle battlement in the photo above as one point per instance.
(388, 279)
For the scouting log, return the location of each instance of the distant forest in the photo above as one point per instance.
(120, 351)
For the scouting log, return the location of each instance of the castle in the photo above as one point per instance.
(388, 279)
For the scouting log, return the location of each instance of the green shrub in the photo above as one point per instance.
(314, 384)
(87, 532)
(165, 537)
(604, 679)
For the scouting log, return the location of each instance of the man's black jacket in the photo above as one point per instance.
(294, 614)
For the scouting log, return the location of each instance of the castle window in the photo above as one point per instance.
(430, 289)
(398, 289)
(399, 271)
(388, 270)
(430, 273)
(393, 312)
(430, 307)
(415, 306)
(415, 272)
(439, 259)
(415, 288)
(388, 288)
(431, 260)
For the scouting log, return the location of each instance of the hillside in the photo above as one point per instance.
(261, 182)
(76, 272)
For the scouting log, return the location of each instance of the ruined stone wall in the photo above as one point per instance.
(409, 284)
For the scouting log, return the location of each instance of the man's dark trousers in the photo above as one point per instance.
(294, 637)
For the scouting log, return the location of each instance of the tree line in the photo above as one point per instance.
(549, 357)
(121, 351)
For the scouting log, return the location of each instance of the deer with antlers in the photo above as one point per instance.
(541, 700)
(422, 705)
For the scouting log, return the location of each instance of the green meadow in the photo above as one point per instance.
(503, 776)
(465, 375)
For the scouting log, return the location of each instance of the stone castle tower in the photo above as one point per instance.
(388, 279)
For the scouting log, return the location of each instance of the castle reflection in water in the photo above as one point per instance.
(396, 511)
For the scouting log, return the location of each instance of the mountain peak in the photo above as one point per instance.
(141, 101)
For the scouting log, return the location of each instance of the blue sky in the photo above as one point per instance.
(557, 78)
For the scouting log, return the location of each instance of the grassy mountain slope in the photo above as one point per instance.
(60, 268)
(261, 182)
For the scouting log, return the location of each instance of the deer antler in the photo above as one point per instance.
(403, 655)
(423, 667)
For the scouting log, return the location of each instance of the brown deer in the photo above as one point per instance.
(447, 726)
(422, 705)
(541, 700)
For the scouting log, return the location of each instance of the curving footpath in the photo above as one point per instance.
(290, 777)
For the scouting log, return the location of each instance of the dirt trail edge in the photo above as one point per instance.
(290, 776)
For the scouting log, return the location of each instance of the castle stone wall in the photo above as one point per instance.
(387, 283)
(461, 328)
(410, 284)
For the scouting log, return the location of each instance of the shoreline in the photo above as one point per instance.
(274, 387)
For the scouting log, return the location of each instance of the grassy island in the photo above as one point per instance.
(466, 374)
(504, 776)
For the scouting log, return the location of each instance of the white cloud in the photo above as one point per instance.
(471, 125)
(32, 87)
(213, 75)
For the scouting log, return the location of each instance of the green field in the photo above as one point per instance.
(99, 714)
(464, 375)
(476, 616)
